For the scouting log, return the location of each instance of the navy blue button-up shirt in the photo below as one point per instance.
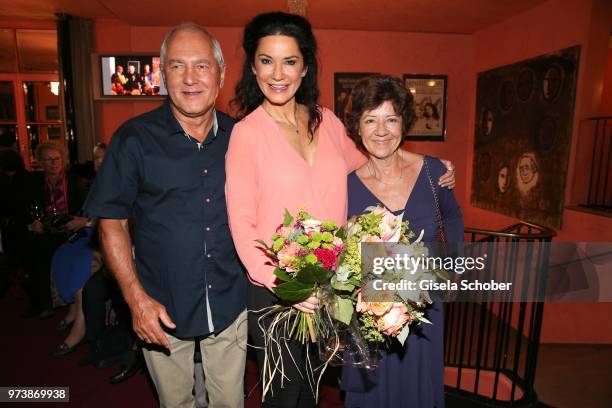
(173, 191)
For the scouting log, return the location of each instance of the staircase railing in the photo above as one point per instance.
(491, 348)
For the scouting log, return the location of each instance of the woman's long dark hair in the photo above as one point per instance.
(248, 95)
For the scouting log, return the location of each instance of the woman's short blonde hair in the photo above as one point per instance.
(62, 150)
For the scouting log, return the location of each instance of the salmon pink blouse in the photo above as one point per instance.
(265, 175)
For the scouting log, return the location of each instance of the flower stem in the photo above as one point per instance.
(313, 336)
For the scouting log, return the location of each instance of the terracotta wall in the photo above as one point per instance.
(606, 96)
(550, 26)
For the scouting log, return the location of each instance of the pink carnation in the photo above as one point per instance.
(327, 257)
(287, 255)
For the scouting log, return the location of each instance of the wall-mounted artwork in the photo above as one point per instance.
(127, 76)
(429, 92)
(343, 85)
(523, 137)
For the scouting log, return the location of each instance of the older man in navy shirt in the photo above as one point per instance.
(179, 273)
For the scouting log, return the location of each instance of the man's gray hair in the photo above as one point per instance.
(192, 27)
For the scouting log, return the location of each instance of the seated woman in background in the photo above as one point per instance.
(380, 116)
(72, 265)
(56, 197)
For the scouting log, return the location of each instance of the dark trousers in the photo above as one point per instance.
(295, 392)
(97, 290)
(38, 281)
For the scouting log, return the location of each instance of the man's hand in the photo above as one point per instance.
(146, 311)
(76, 223)
(146, 315)
(307, 306)
(448, 178)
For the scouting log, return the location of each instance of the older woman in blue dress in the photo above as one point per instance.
(381, 114)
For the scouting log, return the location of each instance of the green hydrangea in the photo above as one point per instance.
(352, 258)
(370, 330)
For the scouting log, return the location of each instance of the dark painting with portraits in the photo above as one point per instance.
(523, 135)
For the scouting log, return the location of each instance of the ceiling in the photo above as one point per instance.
(440, 16)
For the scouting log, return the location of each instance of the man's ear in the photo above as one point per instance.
(222, 77)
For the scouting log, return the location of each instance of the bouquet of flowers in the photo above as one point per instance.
(391, 315)
(306, 253)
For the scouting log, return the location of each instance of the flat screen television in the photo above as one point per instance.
(129, 76)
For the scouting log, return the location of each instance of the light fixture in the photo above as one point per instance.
(297, 7)
(412, 90)
(431, 82)
(54, 88)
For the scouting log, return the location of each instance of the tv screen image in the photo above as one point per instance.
(133, 76)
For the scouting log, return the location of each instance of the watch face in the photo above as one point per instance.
(506, 96)
(526, 81)
(552, 82)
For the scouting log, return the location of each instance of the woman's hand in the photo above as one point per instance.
(309, 305)
(37, 227)
(76, 223)
(448, 178)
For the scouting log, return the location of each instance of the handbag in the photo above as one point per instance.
(441, 238)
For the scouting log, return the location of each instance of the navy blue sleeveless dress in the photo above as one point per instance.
(411, 376)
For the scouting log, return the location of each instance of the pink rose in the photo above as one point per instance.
(395, 319)
(284, 231)
(371, 238)
(372, 308)
(311, 225)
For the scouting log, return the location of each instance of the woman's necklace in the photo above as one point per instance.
(295, 128)
(386, 183)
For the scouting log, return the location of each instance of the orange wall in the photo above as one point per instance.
(551, 26)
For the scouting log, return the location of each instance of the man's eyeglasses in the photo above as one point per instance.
(52, 159)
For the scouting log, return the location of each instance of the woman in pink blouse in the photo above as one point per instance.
(286, 153)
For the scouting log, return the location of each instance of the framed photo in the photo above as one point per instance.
(54, 132)
(127, 76)
(52, 112)
(429, 93)
(343, 85)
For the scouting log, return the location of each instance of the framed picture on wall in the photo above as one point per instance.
(127, 76)
(52, 112)
(429, 93)
(343, 85)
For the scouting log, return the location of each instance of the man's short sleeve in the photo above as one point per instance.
(117, 183)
